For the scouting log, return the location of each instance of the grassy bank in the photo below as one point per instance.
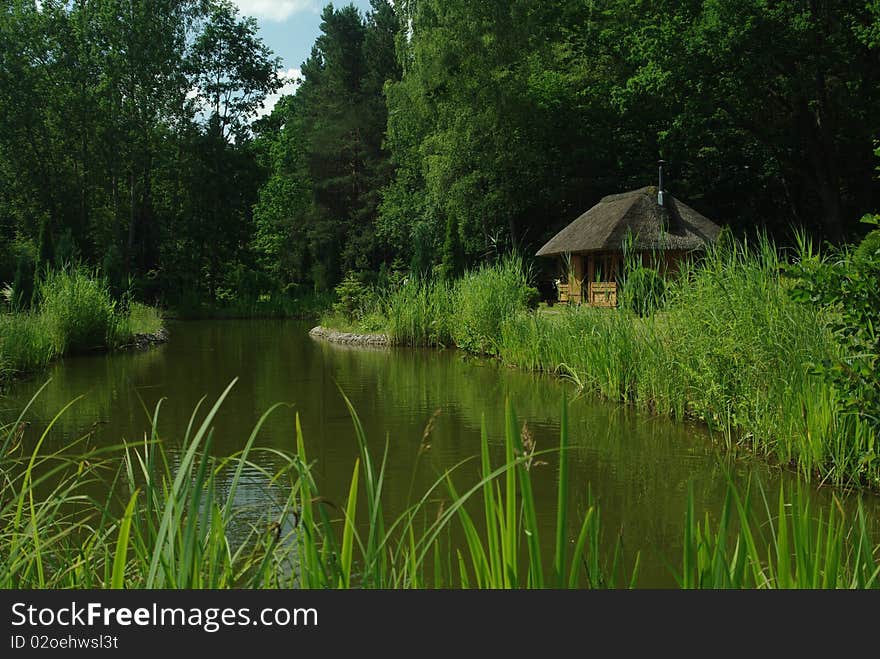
(169, 521)
(729, 344)
(732, 348)
(73, 312)
(467, 313)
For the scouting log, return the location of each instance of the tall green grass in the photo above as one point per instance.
(140, 319)
(74, 312)
(726, 343)
(420, 313)
(467, 313)
(78, 309)
(732, 349)
(25, 343)
(484, 298)
(169, 520)
(791, 546)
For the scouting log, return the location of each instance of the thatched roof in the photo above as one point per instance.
(675, 226)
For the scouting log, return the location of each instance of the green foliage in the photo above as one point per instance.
(354, 297)
(788, 548)
(484, 298)
(26, 343)
(643, 291)
(74, 312)
(845, 283)
(234, 70)
(420, 312)
(325, 154)
(467, 313)
(731, 348)
(514, 118)
(443, 133)
(143, 319)
(452, 258)
(23, 284)
(109, 158)
(78, 309)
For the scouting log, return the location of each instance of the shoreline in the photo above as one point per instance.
(146, 341)
(143, 341)
(349, 338)
(355, 340)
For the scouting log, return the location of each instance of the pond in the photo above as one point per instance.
(639, 467)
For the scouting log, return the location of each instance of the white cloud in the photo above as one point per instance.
(291, 78)
(277, 10)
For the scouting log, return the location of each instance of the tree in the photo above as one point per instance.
(777, 100)
(232, 69)
(327, 157)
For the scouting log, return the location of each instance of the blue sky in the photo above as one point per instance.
(289, 28)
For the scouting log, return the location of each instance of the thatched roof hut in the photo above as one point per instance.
(673, 226)
(666, 233)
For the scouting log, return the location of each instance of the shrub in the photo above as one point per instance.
(846, 283)
(354, 297)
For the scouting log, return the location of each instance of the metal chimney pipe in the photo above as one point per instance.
(661, 191)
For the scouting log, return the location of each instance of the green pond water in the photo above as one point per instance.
(638, 466)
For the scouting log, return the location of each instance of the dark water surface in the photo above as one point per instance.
(637, 465)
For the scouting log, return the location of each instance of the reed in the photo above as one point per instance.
(434, 312)
(25, 343)
(732, 349)
(484, 298)
(74, 312)
(169, 519)
(791, 546)
(420, 313)
(726, 343)
(78, 309)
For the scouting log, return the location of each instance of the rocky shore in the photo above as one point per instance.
(145, 341)
(349, 338)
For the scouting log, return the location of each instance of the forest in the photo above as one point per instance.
(425, 136)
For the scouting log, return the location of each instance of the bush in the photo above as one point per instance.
(846, 283)
(79, 310)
